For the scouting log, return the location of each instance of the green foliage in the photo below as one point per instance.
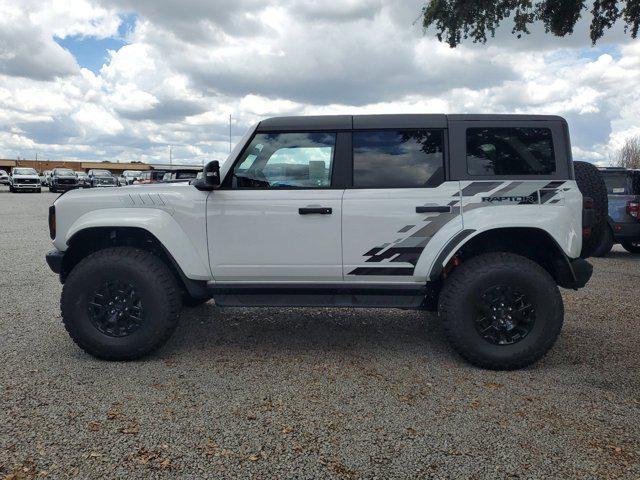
(456, 20)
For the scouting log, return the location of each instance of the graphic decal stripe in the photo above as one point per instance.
(479, 187)
(382, 271)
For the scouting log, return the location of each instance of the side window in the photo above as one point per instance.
(398, 158)
(510, 151)
(286, 160)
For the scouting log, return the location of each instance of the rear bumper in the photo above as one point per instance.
(582, 271)
(54, 260)
(626, 231)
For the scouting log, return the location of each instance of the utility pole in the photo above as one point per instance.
(229, 133)
(170, 155)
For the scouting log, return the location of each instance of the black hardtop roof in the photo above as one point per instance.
(349, 122)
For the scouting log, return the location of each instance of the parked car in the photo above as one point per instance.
(102, 178)
(62, 180)
(150, 176)
(83, 180)
(477, 216)
(24, 179)
(128, 177)
(4, 177)
(181, 175)
(623, 188)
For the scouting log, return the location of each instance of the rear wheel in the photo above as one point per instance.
(631, 247)
(591, 184)
(605, 245)
(501, 311)
(120, 303)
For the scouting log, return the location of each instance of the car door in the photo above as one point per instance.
(400, 210)
(277, 215)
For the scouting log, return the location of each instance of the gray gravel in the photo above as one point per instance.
(307, 393)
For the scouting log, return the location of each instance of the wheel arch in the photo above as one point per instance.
(533, 243)
(88, 240)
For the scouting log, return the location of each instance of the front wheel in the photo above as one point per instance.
(631, 247)
(501, 311)
(120, 303)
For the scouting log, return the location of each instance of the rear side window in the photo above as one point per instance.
(510, 151)
(398, 158)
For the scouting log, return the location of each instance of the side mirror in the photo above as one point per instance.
(211, 177)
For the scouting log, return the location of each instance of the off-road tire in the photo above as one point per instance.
(591, 184)
(159, 293)
(39, 190)
(52, 190)
(631, 247)
(462, 291)
(605, 245)
(11, 189)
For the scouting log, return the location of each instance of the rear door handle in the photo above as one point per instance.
(437, 209)
(315, 210)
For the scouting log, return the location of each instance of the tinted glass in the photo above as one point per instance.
(510, 151)
(286, 160)
(616, 183)
(398, 158)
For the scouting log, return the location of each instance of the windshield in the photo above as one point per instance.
(101, 173)
(81, 174)
(24, 171)
(131, 173)
(64, 171)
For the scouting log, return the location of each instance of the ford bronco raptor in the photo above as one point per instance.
(476, 216)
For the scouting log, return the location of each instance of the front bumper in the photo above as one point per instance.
(26, 186)
(64, 186)
(54, 260)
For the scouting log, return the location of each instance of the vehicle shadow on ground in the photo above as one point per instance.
(297, 330)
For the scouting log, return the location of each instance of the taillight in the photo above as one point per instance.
(52, 222)
(633, 209)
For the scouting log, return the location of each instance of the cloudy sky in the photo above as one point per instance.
(122, 80)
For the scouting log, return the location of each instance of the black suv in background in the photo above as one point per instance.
(102, 178)
(62, 179)
(623, 188)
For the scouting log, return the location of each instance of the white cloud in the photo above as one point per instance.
(188, 64)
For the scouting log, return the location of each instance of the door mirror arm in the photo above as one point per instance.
(211, 177)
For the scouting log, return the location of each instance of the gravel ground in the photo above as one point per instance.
(308, 393)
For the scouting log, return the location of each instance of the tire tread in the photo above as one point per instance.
(484, 264)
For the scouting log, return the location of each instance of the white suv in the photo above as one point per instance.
(478, 217)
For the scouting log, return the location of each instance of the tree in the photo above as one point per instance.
(629, 154)
(456, 20)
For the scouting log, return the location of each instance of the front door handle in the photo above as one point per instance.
(315, 210)
(436, 209)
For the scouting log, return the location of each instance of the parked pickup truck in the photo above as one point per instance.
(62, 180)
(476, 216)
